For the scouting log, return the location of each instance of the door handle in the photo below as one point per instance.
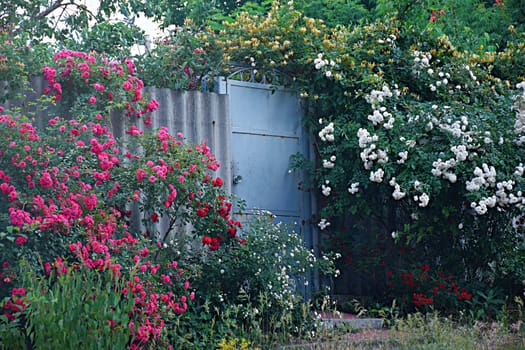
(237, 179)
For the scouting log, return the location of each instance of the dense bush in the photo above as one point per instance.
(255, 290)
(71, 191)
(438, 129)
(18, 63)
(179, 61)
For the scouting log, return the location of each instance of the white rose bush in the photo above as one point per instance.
(428, 143)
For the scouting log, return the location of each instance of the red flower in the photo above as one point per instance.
(154, 217)
(141, 174)
(18, 291)
(144, 252)
(217, 182)
(152, 105)
(433, 16)
(420, 300)
(45, 180)
(127, 85)
(58, 88)
(231, 232)
(47, 268)
(20, 240)
(464, 295)
(99, 87)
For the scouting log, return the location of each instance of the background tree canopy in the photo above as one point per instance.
(474, 22)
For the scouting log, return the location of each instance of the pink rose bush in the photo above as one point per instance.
(85, 83)
(77, 199)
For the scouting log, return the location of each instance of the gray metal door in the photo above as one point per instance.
(266, 131)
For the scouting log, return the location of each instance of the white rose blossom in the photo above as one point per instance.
(327, 133)
(326, 190)
(398, 194)
(323, 224)
(354, 188)
(423, 200)
(377, 176)
(403, 156)
(328, 164)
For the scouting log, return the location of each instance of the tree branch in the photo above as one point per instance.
(50, 9)
(59, 17)
(59, 4)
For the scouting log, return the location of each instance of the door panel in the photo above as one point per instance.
(261, 172)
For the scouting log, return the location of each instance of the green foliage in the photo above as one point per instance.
(18, 63)
(179, 62)
(25, 16)
(253, 289)
(470, 24)
(177, 12)
(113, 40)
(85, 309)
(12, 68)
(59, 20)
(487, 305)
(431, 331)
(11, 335)
(333, 13)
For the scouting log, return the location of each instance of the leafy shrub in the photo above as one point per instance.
(79, 308)
(18, 63)
(254, 289)
(428, 135)
(111, 39)
(425, 289)
(179, 61)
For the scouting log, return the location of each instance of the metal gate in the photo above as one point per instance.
(266, 130)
